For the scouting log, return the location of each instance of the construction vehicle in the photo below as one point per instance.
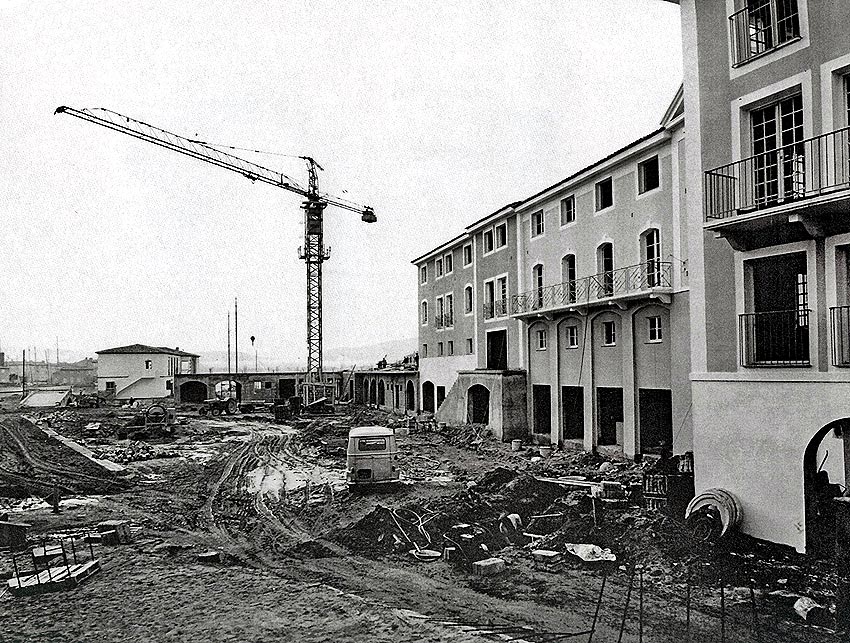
(219, 405)
(314, 252)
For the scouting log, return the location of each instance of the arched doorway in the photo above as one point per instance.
(478, 404)
(824, 478)
(428, 397)
(381, 393)
(225, 389)
(410, 397)
(373, 393)
(193, 392)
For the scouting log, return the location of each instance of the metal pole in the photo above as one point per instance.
(64, 555)
(91, 550)
(74, 551)
(688, 609)
(15, 567)
(236, 335)
(598, 606)
(722, 613)
(755, 610)
(640, 610)
(626, 606)
(46, 559)
(35, 568)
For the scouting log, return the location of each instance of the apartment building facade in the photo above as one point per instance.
(767, 95)
(577, 308)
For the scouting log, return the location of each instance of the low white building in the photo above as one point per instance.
(141, 371)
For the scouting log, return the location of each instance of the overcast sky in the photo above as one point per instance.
(434, 113)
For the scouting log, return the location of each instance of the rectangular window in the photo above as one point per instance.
(541, 339)
(448, 261)
(439, 319)
(609, 334)
(604, 194)
(778, 171)
(762, 25)
(649, 177)
(439, 349)
(572, 336)
(148, 365)
(467, 300)
(488, 241)
(423, 275)
(110, 387)
(424, 350)
(537, 225)
(654, 324)
(467, 255)
(501, 231)
(424, 313)
(439, 264)
(268, 384)
(450, 310)
(469, 346)
(372, 444)
(489, 299)
(568, 210)
(847, 98)
(502, 293)
(451, 347)
(258, 386)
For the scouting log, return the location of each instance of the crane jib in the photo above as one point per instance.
(314, 252)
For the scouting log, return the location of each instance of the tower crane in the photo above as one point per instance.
(313, 252)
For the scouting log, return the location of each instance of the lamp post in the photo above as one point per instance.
(255, 353)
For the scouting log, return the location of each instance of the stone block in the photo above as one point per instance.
(546, 556)
(121, 527)
(488, 567)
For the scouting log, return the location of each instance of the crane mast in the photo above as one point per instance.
(313, 252)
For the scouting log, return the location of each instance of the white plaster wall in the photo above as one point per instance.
(442, 371)
(751, 440)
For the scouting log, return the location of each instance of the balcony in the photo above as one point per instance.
(648, 279)
(761, 27)
(493, 309)
(789, 194)
(840, 323)
(775, 339)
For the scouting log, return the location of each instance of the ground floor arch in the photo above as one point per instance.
(193, 392)
(478, 404)
(381, 393)
(428, 396)
(410, 396)
(824, 478)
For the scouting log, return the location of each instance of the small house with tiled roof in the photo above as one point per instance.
(142, 372)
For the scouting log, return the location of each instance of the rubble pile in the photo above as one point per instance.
(135, 451)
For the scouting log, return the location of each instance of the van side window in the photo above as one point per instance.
(371, 444)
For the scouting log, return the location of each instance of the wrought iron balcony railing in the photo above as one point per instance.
(840, 321)
(795, 172)
(775, 338)
(613, 283)
(762, 26)
(498, 308)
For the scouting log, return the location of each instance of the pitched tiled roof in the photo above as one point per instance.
(142, 349)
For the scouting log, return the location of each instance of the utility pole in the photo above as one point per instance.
(228, 354)
(236, 333)
(255, 352)
(24, 374)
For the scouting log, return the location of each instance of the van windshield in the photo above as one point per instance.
(372, 444)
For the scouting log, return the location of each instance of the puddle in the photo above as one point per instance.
(35, 504)
(274, 480)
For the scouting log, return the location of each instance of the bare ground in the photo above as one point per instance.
(305, 560)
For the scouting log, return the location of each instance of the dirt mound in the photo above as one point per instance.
(497, 477)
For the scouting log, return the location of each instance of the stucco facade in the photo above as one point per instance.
(769, 213)
(140, 371)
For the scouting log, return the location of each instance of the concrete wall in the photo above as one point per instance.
(269, 390)
(365, 380)
(442, 371)
(129, 369)
(507, 403)
(752, 444)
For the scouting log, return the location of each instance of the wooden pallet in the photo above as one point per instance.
(54, 579)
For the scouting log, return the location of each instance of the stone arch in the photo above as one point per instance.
(819, 488)
(373, 393)
(478, 404)
(381, 393)
(428, 393)
(410, 397)
(193, 391)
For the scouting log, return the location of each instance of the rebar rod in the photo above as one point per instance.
(598, 606)
(626, 606)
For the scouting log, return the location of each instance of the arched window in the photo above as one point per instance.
(605, 268)
(537, 280)
(424, 313)
(568, 275)
(467, 299)
(652, 257)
